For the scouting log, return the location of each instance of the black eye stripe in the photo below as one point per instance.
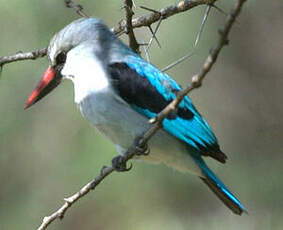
(61, 58)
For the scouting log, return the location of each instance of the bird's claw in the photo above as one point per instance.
(141, 149)
(120, 165)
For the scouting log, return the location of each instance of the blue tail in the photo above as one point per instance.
(219, 189)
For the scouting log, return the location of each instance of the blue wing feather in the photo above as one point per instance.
(196, 132)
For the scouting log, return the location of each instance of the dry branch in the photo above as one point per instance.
(163, 13)
(23, 56)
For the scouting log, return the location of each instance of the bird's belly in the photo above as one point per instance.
(121, 124)
(113, 118)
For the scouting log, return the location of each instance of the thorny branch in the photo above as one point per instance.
(157, 121)
(164, 13)
(142, 21)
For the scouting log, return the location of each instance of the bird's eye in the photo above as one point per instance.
(61, 58)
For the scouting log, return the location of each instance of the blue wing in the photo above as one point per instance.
(148, 91)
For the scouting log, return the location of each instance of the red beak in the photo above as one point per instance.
(50, 79)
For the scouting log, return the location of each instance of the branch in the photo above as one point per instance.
(105, 171)
(119, 29)
(163, 13)
(129, 28)
(23, 56)
(157, 121)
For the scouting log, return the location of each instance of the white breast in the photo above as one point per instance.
(87, 73)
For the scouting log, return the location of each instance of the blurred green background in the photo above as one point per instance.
(49, 151)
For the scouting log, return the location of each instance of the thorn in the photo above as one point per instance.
(202, 24)
(158, 43)
(146, 53)
(154, 33)
(149, 9)
(177, 61)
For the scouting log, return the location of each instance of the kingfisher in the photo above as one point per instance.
(118, 91)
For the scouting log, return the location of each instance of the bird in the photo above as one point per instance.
(118, 91)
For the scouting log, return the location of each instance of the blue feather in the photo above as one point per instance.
(193, 131)
(218, 187)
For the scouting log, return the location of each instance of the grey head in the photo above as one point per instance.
(85, 34)
(84, 30)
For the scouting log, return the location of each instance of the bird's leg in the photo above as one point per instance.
(141, 149)
(120, 165)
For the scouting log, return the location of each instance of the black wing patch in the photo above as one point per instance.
(138, 91)
(213, 151)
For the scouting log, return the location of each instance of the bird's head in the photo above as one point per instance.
(81, 31)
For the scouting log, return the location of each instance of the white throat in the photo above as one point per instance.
(86, 72)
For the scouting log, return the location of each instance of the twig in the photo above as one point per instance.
(23, 56)
(166, 12)
(129, 28)
(154, 34)
(77, 7)
(157, 121)
(105, 171)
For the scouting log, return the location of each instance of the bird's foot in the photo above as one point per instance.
(141, 149)
(120, 165)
